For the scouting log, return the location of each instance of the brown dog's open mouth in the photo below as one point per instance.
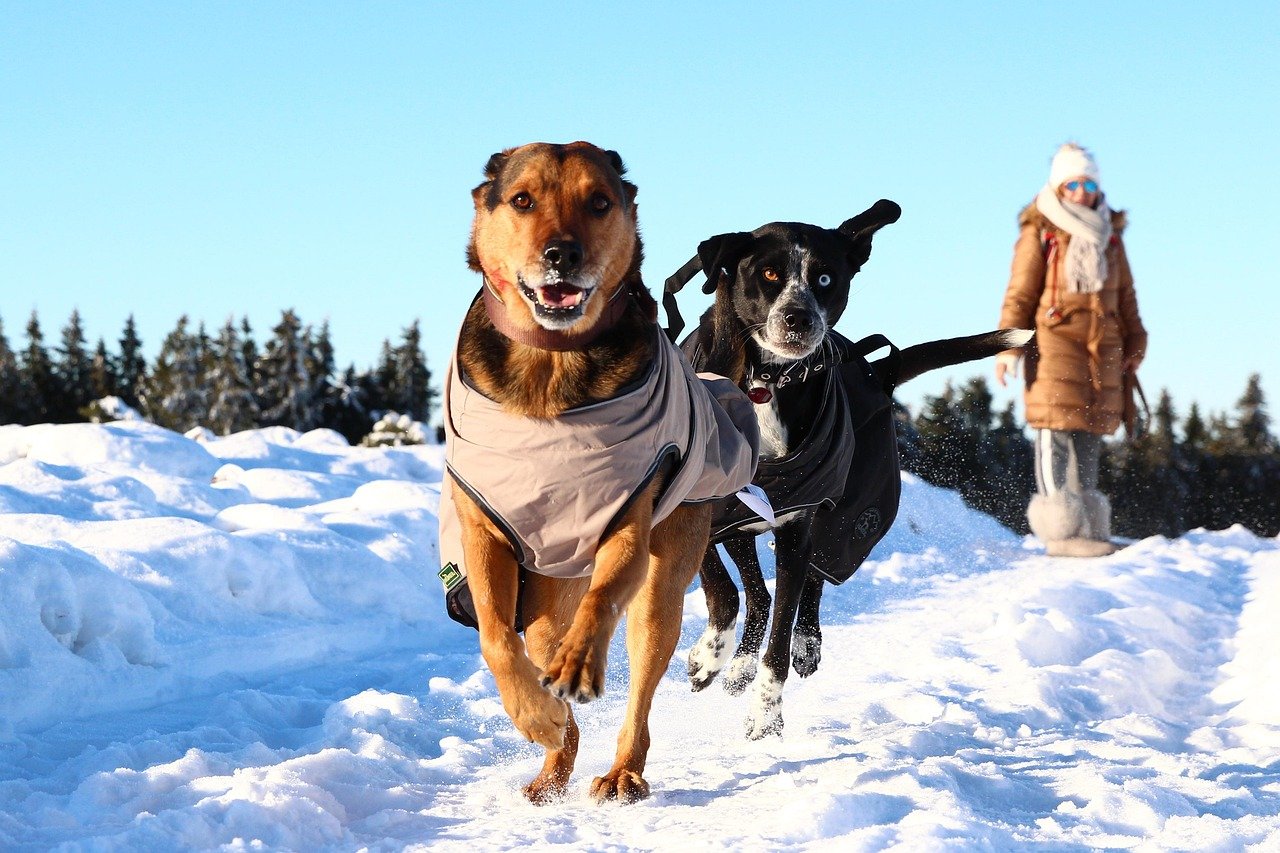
(557, 301)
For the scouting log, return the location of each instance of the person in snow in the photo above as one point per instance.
(1071, 282)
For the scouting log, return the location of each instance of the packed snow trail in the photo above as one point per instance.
(223, 643)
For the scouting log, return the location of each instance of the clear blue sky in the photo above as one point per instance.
(241, 158)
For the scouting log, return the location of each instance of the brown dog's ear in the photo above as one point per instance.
(487, 190)
(861, 228)
(495, 164)
(720, 255)
(615, 160)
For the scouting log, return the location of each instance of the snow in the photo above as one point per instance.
(240, 642)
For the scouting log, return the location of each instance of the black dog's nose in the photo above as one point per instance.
(563, 256)
(798, 321)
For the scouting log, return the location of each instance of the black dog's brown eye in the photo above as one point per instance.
(769, 273)
(600, 203)
(522, 201)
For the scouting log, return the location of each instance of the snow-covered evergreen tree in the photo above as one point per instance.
(346, 409)
(233, 406)
(74, 371)
(175, 394)
(132, 366)
(284, 383)
(39, 383)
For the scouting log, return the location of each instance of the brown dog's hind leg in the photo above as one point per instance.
(494, 579)
(653, 630)
(549, 606)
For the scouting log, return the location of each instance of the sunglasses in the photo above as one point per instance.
(1089, 186)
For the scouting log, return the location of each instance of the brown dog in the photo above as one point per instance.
(564, 326)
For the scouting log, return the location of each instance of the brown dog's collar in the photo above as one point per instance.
(553, 339)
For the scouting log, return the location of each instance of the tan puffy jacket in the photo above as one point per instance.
(1075, 372)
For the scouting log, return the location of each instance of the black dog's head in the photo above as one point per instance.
(788, 282)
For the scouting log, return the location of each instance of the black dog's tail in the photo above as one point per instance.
(921, 358)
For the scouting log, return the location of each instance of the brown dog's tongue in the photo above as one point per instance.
(560, 295)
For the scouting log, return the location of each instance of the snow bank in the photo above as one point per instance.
(138, 564)
(265, 609)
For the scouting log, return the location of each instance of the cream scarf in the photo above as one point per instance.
(1090, 229)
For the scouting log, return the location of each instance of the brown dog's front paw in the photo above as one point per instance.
(546, 788)
(540, 717)
(625, 786)
(577, 671)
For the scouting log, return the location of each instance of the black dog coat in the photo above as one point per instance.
(847, 466)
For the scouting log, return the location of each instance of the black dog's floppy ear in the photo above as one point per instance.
(720, 255)
(861, 228)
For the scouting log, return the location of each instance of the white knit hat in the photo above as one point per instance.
(1072, 161)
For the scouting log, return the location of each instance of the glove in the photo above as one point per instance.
(1007, 362)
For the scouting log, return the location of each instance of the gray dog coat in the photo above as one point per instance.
(555, 486)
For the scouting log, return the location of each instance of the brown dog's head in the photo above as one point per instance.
(555, 233)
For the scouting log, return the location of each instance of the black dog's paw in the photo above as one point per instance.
(740, 672)
(806, 653)
(708, 657)
(765, 715)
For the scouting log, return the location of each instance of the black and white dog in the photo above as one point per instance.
(779, 291)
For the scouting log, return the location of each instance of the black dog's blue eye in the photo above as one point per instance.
(824, 280)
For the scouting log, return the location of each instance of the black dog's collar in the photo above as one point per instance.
(811, 365)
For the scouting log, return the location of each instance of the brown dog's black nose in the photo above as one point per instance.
(563, 256)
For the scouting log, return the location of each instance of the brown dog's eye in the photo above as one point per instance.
(769, 273)
(522, 201)
(600, 204)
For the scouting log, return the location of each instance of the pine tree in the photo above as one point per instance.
(412, 378)
(1253, 423)
(73, 369)
(284, 384)
(232, 406)
(320, 367)
(10, 383)
(1194, 431)
(346, 409)
(380, 384)
(175, 395)
(103, 378)
(250, 353)
(132, 367)
(1148, 479)
(39, 384)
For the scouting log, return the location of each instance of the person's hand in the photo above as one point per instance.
(1007, 363)
(1132, 362)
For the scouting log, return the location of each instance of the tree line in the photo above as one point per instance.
(1174, 475)
(1177, 474)
(225, 382)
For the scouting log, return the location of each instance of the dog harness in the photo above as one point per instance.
(555, 486)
